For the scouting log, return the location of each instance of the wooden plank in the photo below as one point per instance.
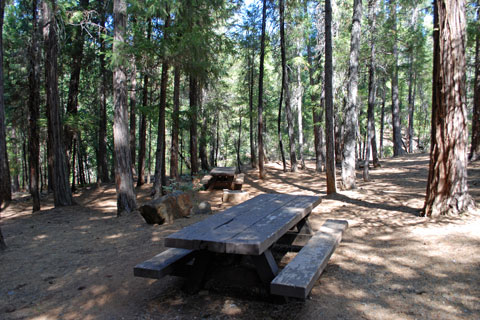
(198, 236)
(162, 264)
(298, 277)
(266, 231)
(223, 171)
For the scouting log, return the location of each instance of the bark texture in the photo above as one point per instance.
(447, 191)
(61, 190)
(284, 71)
(123, 164)
(351, 110)
(193, 125)
(329, 120)
(175, 125)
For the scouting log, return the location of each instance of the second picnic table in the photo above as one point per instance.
(222, 177)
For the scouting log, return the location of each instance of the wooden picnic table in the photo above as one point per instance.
(222, 177)
(252, 228)
(249, 228)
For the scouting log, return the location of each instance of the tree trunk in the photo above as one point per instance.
(143, 122)
(475, 146)
(238, 145)
(261, 154)
(396, 122)
(202, 150)
(284, 69)
(253, 157)
(61, 189)
(411, 103)
(133, 118)
(329, 120)
(175, 125)
(102, 164)
(123, 163)
(382, 120)
(372, 90)
(193, 125)
(447, 191)
(73, 90)
(288, 112)
(351, 110)
(299, 98)
(5, 183)
(34, 112)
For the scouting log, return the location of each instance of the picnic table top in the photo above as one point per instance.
(250, 227)
(223, 171)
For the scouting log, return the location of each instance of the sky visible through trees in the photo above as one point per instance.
(174, 88)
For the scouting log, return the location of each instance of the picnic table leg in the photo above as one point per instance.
(303, 226)
(196, 280)
(266, 266)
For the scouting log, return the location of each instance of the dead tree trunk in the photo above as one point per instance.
(123, 163)
(61, 189)
(447, 191)
(351, 110)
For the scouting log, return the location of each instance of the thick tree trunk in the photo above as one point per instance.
(288, 111)
(329, 120)
(475, 146)
(61, 189)
(261, 154)
(133, 118)
(284, 70)
(372, 91)
(396, 122)
(193, 125)
(175, 125)
(447, 191)
(351, 110)
(5, 183)
(123, 163)
(34, 112)
(102, 164)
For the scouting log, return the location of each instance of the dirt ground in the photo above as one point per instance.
(77, 262)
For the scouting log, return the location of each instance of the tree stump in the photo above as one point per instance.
(167, 208)
(234, 196)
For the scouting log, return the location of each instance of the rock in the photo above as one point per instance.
(234, 196)
(203, 207)
(175, 205)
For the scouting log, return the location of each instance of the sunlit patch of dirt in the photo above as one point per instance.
(76, 262)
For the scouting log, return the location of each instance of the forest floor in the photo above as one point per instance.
(77, 262)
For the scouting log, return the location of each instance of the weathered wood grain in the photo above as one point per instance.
(298, 277)
(162, 264)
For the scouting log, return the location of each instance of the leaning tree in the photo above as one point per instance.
(447, 191)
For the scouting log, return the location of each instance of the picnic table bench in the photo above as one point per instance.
(251, 229)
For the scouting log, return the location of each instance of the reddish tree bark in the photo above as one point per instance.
(447, 191)
(261, 154)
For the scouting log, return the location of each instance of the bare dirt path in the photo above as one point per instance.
(76, 262)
